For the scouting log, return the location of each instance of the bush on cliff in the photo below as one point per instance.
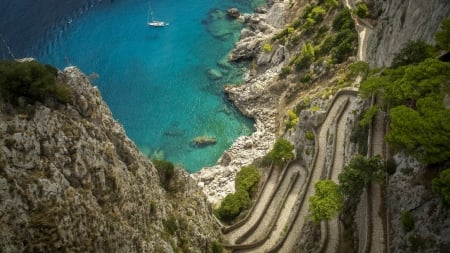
(31, 80)
(441, 186)
(233, 204)
(166, 170)
(247, 179)
(280, 154)
(327, 201)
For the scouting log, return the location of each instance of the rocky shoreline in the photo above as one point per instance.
(252, 98)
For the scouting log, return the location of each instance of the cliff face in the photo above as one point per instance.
(70, 179)
(400, 21)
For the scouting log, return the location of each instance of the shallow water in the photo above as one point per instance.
(163, 84)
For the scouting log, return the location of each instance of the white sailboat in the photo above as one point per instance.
(152, 22)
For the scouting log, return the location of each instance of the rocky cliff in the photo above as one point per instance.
(397, 22)
(71, 180)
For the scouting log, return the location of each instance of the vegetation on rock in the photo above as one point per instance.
(414, 52)
(361, 10)
(32, 80)
(407, 221)
(441, 185)
(443, 36)
(247, 179)
(233, 204)
(292, 120)
(327, 201)
(420, 122)
(358, 174)
(280, 154)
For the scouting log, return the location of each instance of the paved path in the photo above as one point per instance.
(280, 220)
(377, 236)
(293, 237)
(338, 165)
(258, 210)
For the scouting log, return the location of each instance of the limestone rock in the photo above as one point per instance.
(71, 180)
(400, 22)
(233, 13)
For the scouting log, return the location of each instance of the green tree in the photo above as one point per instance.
(32, 80)
(166, 170)
(441, 186)
(424, 132)
(232, 205)
(247, 179)
(292, 120)
(407, 221)
(443, 36)
(358, 173)
(405, 84)
(327, 201)
(414, 52)
(280, 154)
(362, 11)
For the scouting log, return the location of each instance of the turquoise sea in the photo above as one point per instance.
(164, 85)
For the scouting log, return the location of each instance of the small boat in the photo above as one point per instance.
(156, 23)
(152, 22)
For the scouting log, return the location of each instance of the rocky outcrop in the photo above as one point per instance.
(407, 191)
(402, 21)
(254, 99)
(71, 180)
(261, 25)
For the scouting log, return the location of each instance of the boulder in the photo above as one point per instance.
(233, 13)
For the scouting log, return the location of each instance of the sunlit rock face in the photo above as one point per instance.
(70, 179)
(401, 21)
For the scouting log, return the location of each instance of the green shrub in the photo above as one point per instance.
(441, 186)
(292, 120)
(247, 179)
(343, 20)
(414, 52)
(443, 36)
(391, 166)
(345, 43)
(327, 201)
(407, 221)
(232, 205)
(280, 154)
(358, 173)
(330, 4)
(267, 48)
(170, 224)
(32, 80)
(368, 116)
(166, 170)
(309, 135)
(216, 247)
(362, 11)
(284, 72)
(306, 56)
(306, 77)
(317, 13)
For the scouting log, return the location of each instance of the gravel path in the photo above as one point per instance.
(295, 233)
(377, 235)
(258, 210)
(338, 165)
(283, 217)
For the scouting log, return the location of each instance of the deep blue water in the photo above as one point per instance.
(155, 80)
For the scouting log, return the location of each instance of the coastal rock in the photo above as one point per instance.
(246, 49)
(254, 100)
(71, 180)
(233, 13)
(214, 74)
